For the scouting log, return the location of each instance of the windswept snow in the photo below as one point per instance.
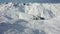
(30, 18)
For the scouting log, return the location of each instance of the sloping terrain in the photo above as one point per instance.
(29, 18)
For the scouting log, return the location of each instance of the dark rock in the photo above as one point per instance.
(42, 18)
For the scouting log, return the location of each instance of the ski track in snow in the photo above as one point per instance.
(26, 18)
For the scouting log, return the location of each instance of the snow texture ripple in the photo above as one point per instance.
(29, 18)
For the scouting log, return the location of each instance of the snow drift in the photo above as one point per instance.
(25, 18)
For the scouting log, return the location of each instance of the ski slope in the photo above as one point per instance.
(26, 18)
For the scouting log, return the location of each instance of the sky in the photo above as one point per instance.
(33, 1)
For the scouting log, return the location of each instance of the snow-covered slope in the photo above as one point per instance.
(30, 18)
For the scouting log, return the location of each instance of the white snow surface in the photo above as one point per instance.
(20, 18)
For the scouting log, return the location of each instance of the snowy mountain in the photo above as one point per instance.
(29, 18)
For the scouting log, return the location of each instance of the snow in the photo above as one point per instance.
(25, 18)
